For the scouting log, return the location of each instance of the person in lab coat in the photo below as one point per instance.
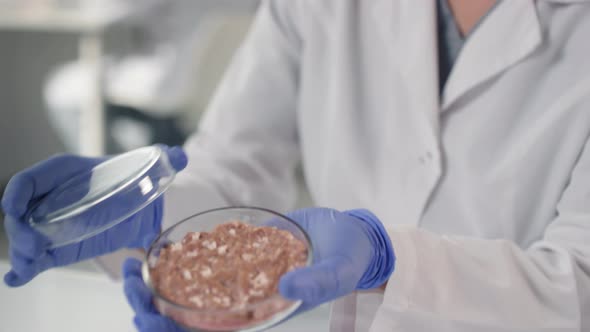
(464, 128)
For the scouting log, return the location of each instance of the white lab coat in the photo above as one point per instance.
(485, 193)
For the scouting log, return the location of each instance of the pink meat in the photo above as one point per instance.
(232, 270)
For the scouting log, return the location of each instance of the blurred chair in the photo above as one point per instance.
(156, 92)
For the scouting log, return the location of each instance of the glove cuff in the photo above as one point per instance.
(383, 262)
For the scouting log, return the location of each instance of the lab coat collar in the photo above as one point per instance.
(508, 35)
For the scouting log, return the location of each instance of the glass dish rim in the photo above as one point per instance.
(157, 156)
(73, 209)
(146, 275)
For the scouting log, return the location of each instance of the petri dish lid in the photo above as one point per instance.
(103, 197)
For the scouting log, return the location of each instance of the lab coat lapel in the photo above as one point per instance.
(509, 34)
(409, 28)
(387, 22)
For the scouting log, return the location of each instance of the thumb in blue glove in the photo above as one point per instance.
(147, 318)
(29, 250)
(352, 251)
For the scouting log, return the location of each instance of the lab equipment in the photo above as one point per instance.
(255, 316)
(71, 208)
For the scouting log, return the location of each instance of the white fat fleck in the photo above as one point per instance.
(247, 257)
(261, 280)
(265, 239)
(222, 250)
(190, 288)
(191, 254)
(243, 302)
(211, 245)
(206, 272)
(195, 236)
(186, 274)
(232, 232)
(255, 292)
(224, 301)
(176, 246)
(256, 245)
(197, 300)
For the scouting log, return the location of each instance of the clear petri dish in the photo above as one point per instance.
(101, 198)
(250, 318)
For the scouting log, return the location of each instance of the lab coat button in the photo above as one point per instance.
(426, 158)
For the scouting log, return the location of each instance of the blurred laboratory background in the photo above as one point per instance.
(105, 76)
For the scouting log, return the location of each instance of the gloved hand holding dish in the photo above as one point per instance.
(220, 270)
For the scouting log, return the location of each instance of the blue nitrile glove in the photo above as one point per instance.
(29, 253)
(147, 318)
(352, 251)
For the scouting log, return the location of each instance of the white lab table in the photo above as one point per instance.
(68, 300)
(65, 300)
(88, 19)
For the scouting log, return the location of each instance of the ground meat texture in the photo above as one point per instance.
(233, 268)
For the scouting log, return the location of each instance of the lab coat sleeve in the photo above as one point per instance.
(246, 148)
(467, 284)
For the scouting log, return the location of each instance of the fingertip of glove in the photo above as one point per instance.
(142, 323)
(293, 287)
(138, 294)
(177, 157)
(147, 241)
(137, 322)
(139, 298)
(25, 242)
(11, 279)
(17, 195)
(131, 267)
(287, 291)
